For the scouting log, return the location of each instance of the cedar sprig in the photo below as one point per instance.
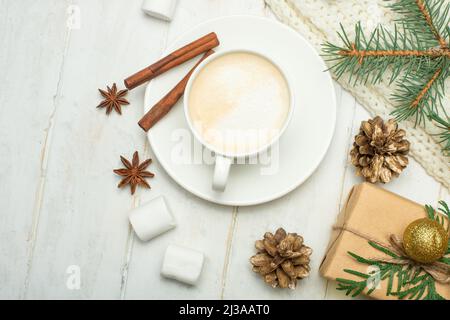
(444, 135)
(441, 215)
(412, 282)
(415, 53)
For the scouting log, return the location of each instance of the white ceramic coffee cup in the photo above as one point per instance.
(223, 160)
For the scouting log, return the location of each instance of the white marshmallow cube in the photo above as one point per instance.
(182, 264)
(161, 9)
(151, 219)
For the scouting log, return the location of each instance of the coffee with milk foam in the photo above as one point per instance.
(238, 103)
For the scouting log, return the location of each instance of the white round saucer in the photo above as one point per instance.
(302, 146)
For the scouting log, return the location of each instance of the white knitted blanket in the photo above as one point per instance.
(318, 21)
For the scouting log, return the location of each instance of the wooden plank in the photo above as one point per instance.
(32, 44)
(201, 225)
(60, 205)
(83, 218)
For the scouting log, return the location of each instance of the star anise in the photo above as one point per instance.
(113, 99)
(134, 173)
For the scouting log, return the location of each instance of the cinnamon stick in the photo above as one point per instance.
(174, 59)
(163, 106)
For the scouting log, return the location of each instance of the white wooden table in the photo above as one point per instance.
(59, 205)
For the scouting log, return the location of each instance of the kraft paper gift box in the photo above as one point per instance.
(375, 213)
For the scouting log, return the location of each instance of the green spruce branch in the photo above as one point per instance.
(402, 281)
(417, 54)
(444, 135)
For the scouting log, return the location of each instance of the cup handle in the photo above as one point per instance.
(221, 172)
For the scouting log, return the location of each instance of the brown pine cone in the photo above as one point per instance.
(282, 258)
(379, 151)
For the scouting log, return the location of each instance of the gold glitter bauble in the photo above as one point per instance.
(425, 240)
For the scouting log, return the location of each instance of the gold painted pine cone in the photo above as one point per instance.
(282, 259)
(379, 151)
